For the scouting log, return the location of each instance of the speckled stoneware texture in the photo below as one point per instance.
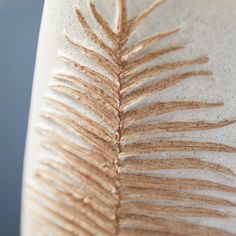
(132, 125)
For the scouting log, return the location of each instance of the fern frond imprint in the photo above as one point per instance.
(116, 181)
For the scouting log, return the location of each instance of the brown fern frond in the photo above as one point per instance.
(133, 132)
(105, 26)
(131, 165)
(88, 88)
(98, 58)
(145, 91)
(151, 194)
(108, 167)
(145, 181)
(164, 226)
(96, 76)
(131, 66)
(129, 83)
(92, 35)
(160, 108)
(134, 23)
(129, 52)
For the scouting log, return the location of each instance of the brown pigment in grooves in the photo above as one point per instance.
(129, 83)
(90, 33)
(104, 160)
(46, 222)
(94, 187)
(130, 165)
(79, 215)
(86, 100)
(97, 175)
(90, 124)
(137, 131)
(99, 194)
(156, 210)
(85, 156)
(136, 21)
(61, 186)
(77, 129)
(134, 65)
(105, 26)
(144, 181)
(129, 52)
(121, 27)
(142, 93)
(102, 61)
(167, 226)
(97, 77)
(160, 108)
(88, 88)
(103, 181)
(150, 194)
(68, 225)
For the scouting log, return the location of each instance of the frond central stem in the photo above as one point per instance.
(119, 50)
(119, 135)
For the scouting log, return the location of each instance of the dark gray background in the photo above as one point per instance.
(19, 27)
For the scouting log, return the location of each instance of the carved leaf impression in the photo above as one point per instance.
(122, 177)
